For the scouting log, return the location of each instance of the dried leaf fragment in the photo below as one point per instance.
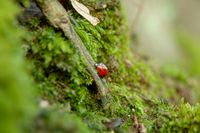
(138, 127)
(85, 12)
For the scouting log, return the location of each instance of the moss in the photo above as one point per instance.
(185, 118)
(135, 88)
(57, 120)
(17, 96)
(166, 117)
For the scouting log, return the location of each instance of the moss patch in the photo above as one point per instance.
(136, 88)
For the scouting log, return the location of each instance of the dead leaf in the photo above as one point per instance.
(84, 11)
(138, 127)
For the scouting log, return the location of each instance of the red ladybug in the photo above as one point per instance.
(102, 69)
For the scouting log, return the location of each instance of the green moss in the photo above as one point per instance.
(169, 118)
(135, 88)
(17, 97)
(57, 120)
(185, 118)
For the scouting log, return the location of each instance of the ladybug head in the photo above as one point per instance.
(97, 64)
(100, 65)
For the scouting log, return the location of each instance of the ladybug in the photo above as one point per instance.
(102, 69)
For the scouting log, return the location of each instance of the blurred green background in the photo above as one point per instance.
(168, 31)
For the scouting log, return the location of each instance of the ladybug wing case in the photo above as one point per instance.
(102, 71)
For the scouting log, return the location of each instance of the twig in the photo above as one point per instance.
(58, 17)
